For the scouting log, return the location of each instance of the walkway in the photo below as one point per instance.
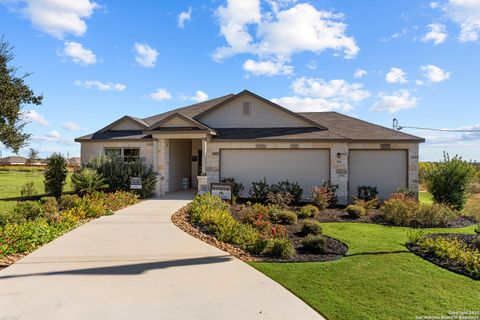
(137, 265)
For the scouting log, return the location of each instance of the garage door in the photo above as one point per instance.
(307, 167)
(386, 169)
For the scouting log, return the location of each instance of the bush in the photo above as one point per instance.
(311, 227)
(432, 215)
(367, 205)
(55, 175)
(407, 192)
(282, 199)
(399, 211)
(477, 230)
(472, 208)
(314, 244)
(249, 214)
(355, 211)
(292, 188)
(286, 217)
(279, 248)
(308, 211)
(259, 190)
(68, 201)
(449, 179)
(88, 180)
(117, 174)
(99, 203)
(10, 216)
(50, 208)
(474, 188)
(367, 193)
(30, 210)
(237, 187)
(28, 189)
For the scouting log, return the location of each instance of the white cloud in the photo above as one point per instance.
(54, 134)
(145, 56)
(53, 137)
(437, 33)
(396, 75)
(78, 54)
(71, 126)
(57, 17)
(280, 32)
(102, 86)
(160, 94)
(434, 73)
(466, 13)
(268, 68)
(397, 101)
(199, 96)
(312, 94)
(360, 73)
(34, 116)
(183, 17)
(434, 5)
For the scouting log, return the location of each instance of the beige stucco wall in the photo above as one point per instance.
(92, 150)
(127, 124)
(262, 115)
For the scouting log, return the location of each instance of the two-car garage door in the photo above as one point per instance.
(307, 167)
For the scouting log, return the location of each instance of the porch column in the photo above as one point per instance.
(204, 156)
(203, 178)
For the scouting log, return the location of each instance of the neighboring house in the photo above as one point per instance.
(13, 160)
(249, 137)
(74, 161)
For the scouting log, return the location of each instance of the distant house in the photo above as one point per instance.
(13, 160)
(73, 161)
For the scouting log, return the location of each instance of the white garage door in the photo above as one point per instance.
(307, 167)
(386, 169)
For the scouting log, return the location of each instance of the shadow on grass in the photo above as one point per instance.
(128, 269)
(377, 253)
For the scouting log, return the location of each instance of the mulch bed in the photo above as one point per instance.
(8, 260)
(335, 248)
(445, 263)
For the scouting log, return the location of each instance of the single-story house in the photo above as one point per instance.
(248, 137)
(13, 160)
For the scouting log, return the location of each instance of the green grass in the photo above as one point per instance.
(378, 279)
(425, 197)
(13, 181)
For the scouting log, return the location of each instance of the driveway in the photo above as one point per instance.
(137, 265)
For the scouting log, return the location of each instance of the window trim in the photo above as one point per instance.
(122, 153)
(247, 106)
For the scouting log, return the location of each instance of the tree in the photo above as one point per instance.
(14, 94)
(32, 155)
(55, 174)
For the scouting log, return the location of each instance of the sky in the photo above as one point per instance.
(96, 61)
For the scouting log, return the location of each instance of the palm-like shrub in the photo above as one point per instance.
(55, 175)
(88, 180)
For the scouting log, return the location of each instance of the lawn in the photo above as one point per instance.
(12, 182)
(378, 279)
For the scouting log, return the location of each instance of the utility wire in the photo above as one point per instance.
(396, 126)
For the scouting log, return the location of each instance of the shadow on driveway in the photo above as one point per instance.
(128, 269)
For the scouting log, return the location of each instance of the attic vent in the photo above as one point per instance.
(246, 108)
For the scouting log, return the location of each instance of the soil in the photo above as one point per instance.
(8, 260)
(469, 239)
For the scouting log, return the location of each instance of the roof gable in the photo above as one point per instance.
(175, 121)
(125, 123)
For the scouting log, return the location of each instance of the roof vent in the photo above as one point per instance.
(246, 108)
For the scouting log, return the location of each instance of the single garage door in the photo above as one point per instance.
(307, 167)
(386, 169)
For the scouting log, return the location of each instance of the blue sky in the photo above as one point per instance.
(417, 61)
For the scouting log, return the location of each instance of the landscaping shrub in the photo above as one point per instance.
(324, 196)
(28, 189)
(355, 211)
(472, 208)
(407, 192)
(50, 208)
(432, 215)
(279, 248)
(55, 174)
(68, 201)
(474, 188)
(314, 244)
(251, 213)
(10, 216)
(367, 205)
(237, 187)
(367, 193)
(117, 174)
(308, 211)
(292, 188)
(282, 199)
(311, 227)
(99, 203)
(449, 179)
(259, 190)
(88, 180)
(286, 217)
(30, 210)
(399, 211)
(477, 229)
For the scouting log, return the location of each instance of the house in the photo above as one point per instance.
(13, 160)
(248, 137)
(73, 162)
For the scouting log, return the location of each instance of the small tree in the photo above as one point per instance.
(32, 156)
(449, 179)
(55, 174)
(88, 180)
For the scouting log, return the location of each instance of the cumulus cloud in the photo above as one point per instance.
(437, 33)
(281, 31)
(102, 86)
(78, 54)
(53, 137)
(268, 68)
(71, 126)
(396, 75)
(184, 17)
(199, 96)
(160, 94)
(56, 17)
(34, 116)
(466, 14)
(360, 73)
(434, 73)
(398, 100)
(145, 56)
(312, 94)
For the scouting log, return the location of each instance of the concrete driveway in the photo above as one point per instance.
(137, 265)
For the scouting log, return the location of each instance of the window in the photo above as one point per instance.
(113, 152)
(128, 154)
(246, 108)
